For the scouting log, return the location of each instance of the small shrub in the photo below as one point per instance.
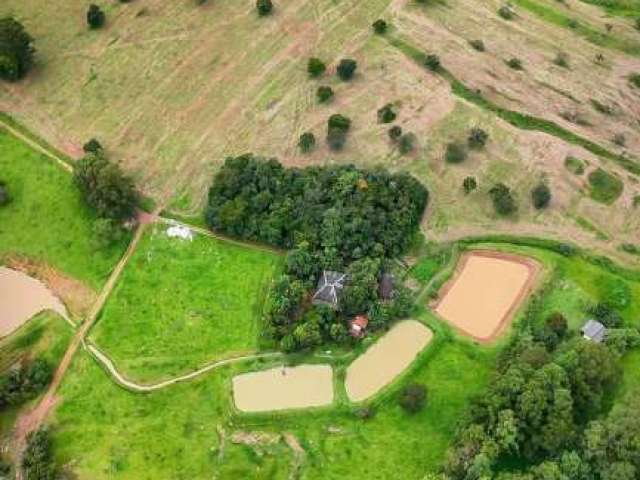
(619, 139)
(631, 248)
(605, 187)
(380, 26)
(541, 196)
(347, 69)
(477, 45)
(324, 94)
(514, 63)
(264, 7)
(95, 16)
(455, 153)
(599, 59)
(92, 146)
(413, 397)
(636, 201)
(337, 129)
(574, 165)
(637, 24)
(339, 122)
(477, 138)
(307, 142)
(469, 184)
(432, 62)
(315, 67)
(601, 107)
(561, 60)
(506, 12)
(575, 117)
(395, 133)
(503, 201)
(406, 143)
(4, 194)
(364, 413)
(573, 23)
(386, 114)
(634, 79)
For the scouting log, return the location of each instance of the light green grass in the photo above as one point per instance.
(47, 220)
(107, 432)
(180, 304)
(605, 187)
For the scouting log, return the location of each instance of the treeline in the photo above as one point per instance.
(23, 383)
(537, 421)
(338, 218)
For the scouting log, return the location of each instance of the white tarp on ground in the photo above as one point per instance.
(178, 231)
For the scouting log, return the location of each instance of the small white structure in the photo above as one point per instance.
(594, 331)
(178, 231)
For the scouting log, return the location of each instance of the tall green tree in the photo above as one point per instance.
(16, 50)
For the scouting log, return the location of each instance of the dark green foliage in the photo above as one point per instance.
(477, 138)
(469, 184)
(5, 198)
(634, 79)
(22, 384)
(315, 67)
(561, 60)
(605, 314)
(477, 45)
(541, 196)
(264, 7)
(105, 188)
(406, 143)
(336, 218)
(346, 69)
(337, 128)
(37, 461)
(432, 62)
(515, 63)
(553, 332)
(92, 146)
(506, 12)
(5, 469)
(503, 201)
(380, 26)
(324, 94)
(386, 114)
(95, 16)
(307, 142)
(605, 187)
(395, 133)
(455, 153)
(413, 397)
(16, 50)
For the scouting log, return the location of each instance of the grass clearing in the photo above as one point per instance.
(47, 220)
(605, 187)
(182, 303)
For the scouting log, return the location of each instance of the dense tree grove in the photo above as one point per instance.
(16, 50)
(539, 412)
(338, 218)
(23, 383)
(105, 187)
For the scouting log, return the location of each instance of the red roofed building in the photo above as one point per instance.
(358, 326)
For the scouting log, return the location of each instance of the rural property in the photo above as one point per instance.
(320, 239)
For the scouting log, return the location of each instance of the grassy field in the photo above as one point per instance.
(45, 336)
(47, 220)
(180, 304)
(107, 432)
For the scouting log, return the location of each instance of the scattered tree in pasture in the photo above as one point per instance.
(380, 26)
(395, 133)
(506, 12)
(264, 7)
(16, 50)
(455, 153)
(477, 138)
(386, 114)
(324, 94)
(469, 184)
(315, 67)
(307, 142)
(406, 143)
(477, 45)
(541, 196)
(514, 63)
(503, 200)
(347, 69)
(95, 16)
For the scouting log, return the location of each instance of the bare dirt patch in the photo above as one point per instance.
(485, 292)
(283, 388)
(386, 359)
(22, 297)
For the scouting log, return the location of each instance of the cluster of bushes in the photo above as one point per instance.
(337, 218)
(539, 410)
(38, 462)
(23, 383)
(16, 50)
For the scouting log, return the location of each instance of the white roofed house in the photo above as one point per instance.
(594, 331)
